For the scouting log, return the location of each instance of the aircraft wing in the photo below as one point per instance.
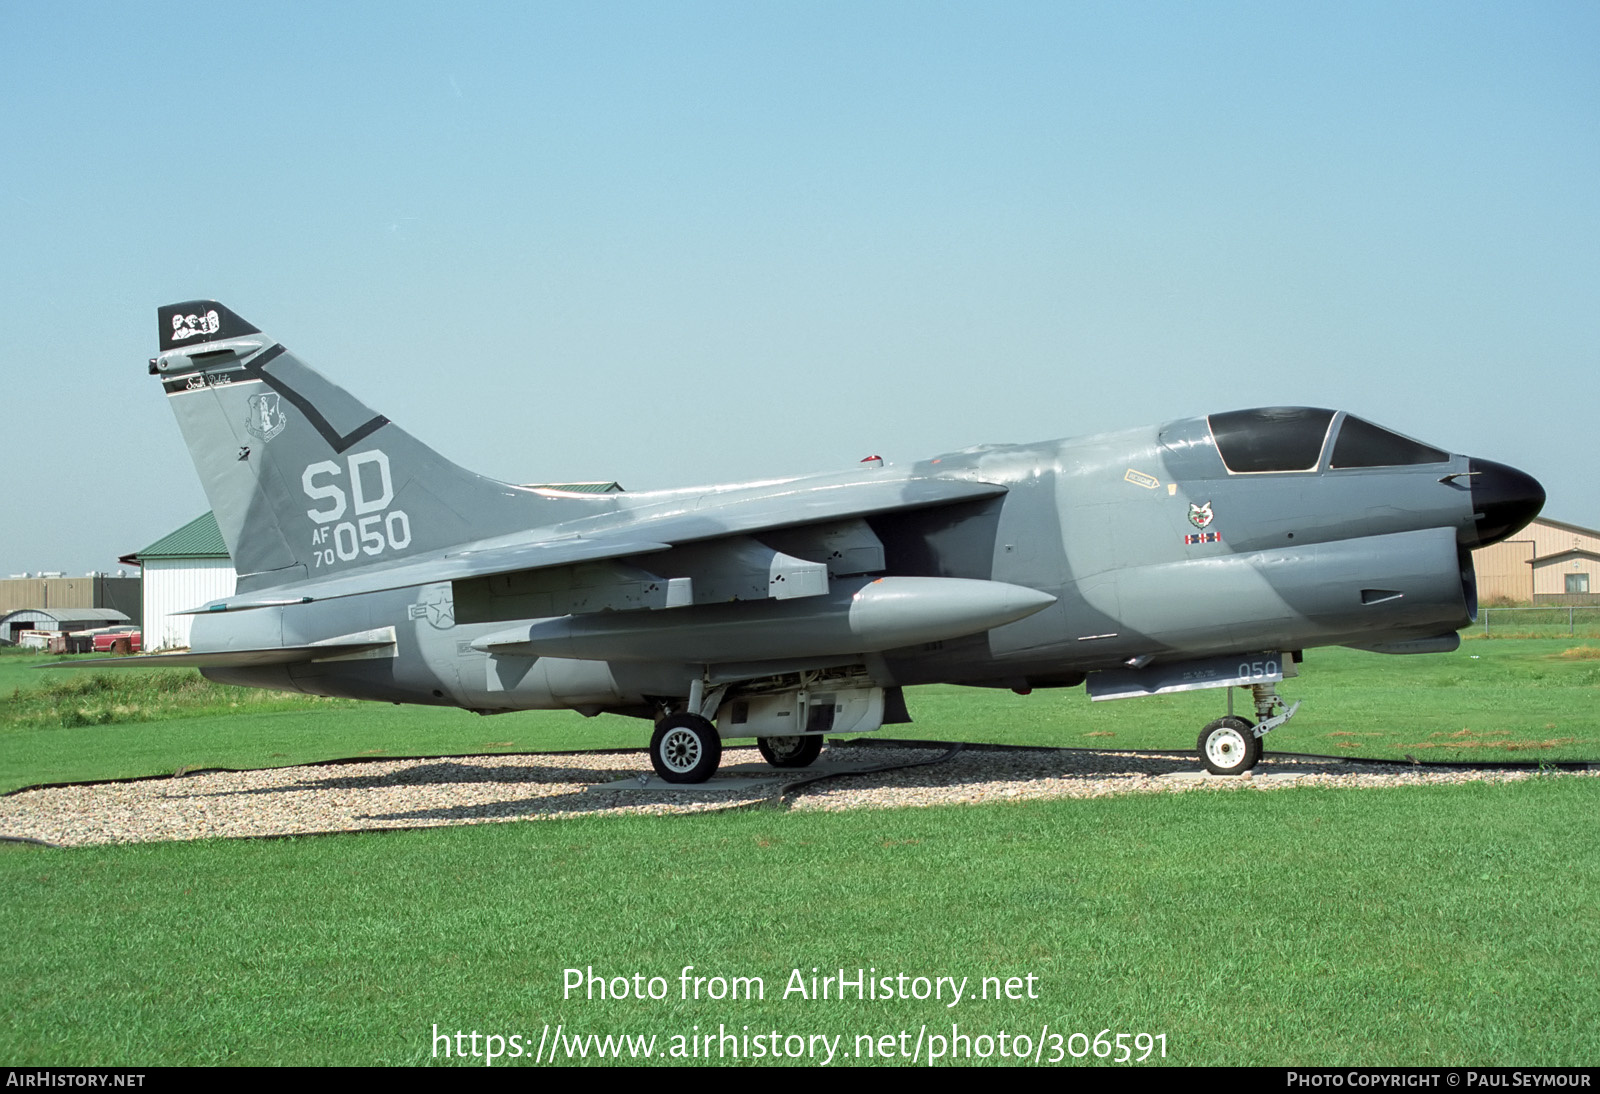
(710, 516)
(453, 566)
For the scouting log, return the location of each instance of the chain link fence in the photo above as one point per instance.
(1556, 621)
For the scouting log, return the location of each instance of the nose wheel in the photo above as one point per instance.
(1229, 746)
(1232, 745)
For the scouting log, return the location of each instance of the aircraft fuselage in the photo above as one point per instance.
(1150, 546)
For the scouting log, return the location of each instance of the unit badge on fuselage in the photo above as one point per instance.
(1201, 516)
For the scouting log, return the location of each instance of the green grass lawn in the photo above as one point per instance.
(1422, 925)
(1418, 925)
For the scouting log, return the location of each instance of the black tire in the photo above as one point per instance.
(1229, 746)
(790, 751)
(685, 748)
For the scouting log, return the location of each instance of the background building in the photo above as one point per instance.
(56, 621)
(183, 569)
(1548, 562)
(55, 602)
(54, 590)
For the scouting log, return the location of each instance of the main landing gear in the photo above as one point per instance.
(687, 744)
(790, 751)
(1232, 745)
(685, 748)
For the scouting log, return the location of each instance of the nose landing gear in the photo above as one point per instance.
(1232, 745)
(1229, 746)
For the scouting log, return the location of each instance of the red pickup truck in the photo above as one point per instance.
(118, 642)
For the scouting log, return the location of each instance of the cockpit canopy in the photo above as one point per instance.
(1293, 438)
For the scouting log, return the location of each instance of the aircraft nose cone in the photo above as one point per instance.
(1504, 500)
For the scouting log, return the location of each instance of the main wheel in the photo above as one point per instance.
(685, 748)
(790, 751)
(1228, 747)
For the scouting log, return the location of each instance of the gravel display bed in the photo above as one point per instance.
(977, 775)
(483, 789)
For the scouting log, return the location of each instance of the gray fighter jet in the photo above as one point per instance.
(1204, 553)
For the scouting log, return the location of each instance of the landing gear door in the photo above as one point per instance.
(1242, 670)
(793, 713)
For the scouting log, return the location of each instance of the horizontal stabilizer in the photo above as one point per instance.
(332, 649)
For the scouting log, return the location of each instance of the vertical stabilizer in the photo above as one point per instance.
(307, 481)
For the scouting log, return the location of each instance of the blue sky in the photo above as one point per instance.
(679, 243)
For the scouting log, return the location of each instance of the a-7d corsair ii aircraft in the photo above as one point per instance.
(1204, 553)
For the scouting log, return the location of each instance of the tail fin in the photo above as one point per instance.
(305, 480)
